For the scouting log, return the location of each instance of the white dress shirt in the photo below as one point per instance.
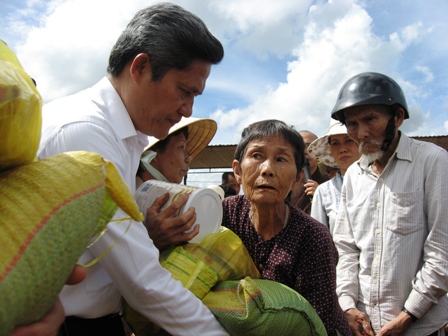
(392, 238)
(325, 203)
(96, 120)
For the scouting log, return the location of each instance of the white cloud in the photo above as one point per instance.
(327, 57)
(428, 76)
(67, 48)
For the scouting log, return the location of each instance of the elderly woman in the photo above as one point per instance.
(335, 149)
(287, 245)
(167, 160)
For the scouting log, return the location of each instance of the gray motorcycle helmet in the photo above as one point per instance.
(369, 88)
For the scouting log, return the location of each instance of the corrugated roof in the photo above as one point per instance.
(221, 156)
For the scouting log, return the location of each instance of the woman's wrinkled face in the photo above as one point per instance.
(173, 161)
(344, 150)
(267, 171)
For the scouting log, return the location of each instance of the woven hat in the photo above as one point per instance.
(200, 132)
(320, 148)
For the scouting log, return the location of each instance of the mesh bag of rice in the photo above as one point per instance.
(49, 211)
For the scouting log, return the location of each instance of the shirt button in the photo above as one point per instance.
(374, 281)
(377, 231)
(372, 305)
(260, 266)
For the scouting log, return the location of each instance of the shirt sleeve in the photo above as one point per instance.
(431, 281)
(133, 261)
(347, 267)
(318, 211)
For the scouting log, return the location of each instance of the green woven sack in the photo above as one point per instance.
(255, 307)
(49, 211)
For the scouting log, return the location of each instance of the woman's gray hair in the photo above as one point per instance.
(266, 129)
(171, 36)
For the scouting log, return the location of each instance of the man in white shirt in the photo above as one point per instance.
(158, 65)
(391, 231)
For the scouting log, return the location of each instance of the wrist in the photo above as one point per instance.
(413, 317)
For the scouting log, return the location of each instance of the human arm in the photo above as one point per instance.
(348, 264)
(316, 276)
(125, 250)
(430, 283)
(318, 211)
(50, 323)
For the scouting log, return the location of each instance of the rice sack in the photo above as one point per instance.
(252, 307)
(49, 211)
(20, 112)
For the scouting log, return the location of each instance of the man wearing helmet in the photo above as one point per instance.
(391, 232)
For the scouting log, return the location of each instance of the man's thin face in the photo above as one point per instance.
(366, 125)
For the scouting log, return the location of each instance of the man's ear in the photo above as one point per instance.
(236, 170)
(140, 67)
(399, 117)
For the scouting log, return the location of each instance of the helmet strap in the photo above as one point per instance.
(389, 133)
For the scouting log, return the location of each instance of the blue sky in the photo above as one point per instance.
(284, 59)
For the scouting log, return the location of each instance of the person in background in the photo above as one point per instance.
(157, 67)
(228, 179)
(287, 245)
(391, 231)
(228, 190)
(167, 160)
(337, 150)
(303, 192)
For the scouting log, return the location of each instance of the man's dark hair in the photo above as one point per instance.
(267, 128)
(225, 177)
(171, 36)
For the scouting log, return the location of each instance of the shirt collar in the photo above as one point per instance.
(113, 105)
(402, 152)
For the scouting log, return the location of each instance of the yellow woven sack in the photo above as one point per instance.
(49, 211)
(219, 256)
(20, 112)
(253, 307)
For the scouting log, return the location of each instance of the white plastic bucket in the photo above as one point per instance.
(206, 203)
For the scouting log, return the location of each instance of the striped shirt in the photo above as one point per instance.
(392, 235)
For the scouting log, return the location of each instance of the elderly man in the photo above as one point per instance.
(391, 232)
(157, 67)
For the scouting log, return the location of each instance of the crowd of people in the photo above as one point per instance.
(365, 246)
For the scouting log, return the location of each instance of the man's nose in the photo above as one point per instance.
(187, 107)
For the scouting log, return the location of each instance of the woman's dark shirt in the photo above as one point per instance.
(302, 256)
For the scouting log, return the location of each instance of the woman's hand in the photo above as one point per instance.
(166, 230)
(50, 323)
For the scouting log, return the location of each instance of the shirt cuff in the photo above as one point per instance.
(346, 303)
